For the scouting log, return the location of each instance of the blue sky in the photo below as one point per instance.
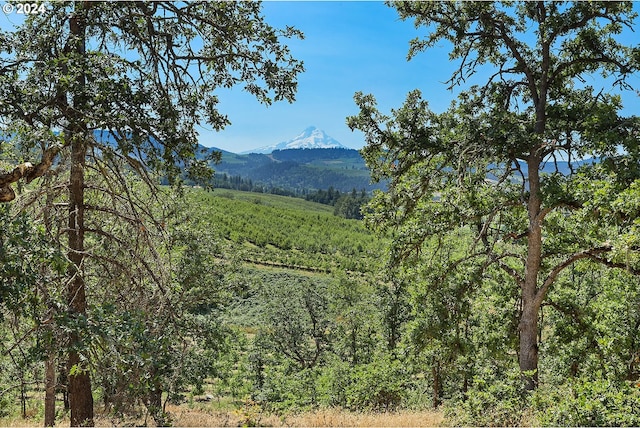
(349, 46)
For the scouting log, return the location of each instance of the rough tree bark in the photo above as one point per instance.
(528, 325)
(80, 396)
(50, 392)
(437, 385)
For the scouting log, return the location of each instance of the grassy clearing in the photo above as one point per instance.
(318, 418)
(338, 418)
(188, 416)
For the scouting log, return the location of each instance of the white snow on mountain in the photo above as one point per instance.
(310, 138)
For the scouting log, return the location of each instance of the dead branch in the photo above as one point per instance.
(26, 171)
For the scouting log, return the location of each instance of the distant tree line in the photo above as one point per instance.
(326, 197)
(347, 205)
(350, 205)
(312, 155)
(302, 169)
(237, 182)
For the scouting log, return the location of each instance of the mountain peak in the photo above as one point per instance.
(310, 138)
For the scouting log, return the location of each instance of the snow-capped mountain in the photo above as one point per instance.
(310, 138)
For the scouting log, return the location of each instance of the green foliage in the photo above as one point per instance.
(146, 108)
(161, 340)
(380, 385)
(351, 206)
(27, 260)
(279, 303)
(288, 388)
(30, 305)
(354, 307)
(333, 381)
(5, 405)
(496, 399)
(296, 318)
(327, 197)
(582, 402)
(574, 402)
(116, 91)
(592, 326)
(312, 328)
(238, 368)
(488, 171)
(287, 232)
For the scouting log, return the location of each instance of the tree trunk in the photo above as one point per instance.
(50, 392)
(80, 397)
(154, 402)
(62, 386)
(23, 397)
(529, 348)
(528, 325)
(436, 387)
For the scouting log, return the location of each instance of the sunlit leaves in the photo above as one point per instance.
(149, 72)
(27, 261)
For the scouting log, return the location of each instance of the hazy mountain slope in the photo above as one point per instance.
(300, 169)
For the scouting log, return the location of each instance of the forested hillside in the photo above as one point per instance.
(298, 170)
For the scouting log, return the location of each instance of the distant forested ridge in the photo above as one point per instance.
(297, 171)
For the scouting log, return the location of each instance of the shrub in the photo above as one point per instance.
(599, 402)
(287, 388)
(379, 385)
(5, 405)
(491, 401)
(333, 382)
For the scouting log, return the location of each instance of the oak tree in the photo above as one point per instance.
(536, 162)
(86, 87)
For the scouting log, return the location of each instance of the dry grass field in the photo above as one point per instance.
(319, 418)
(183, 416)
